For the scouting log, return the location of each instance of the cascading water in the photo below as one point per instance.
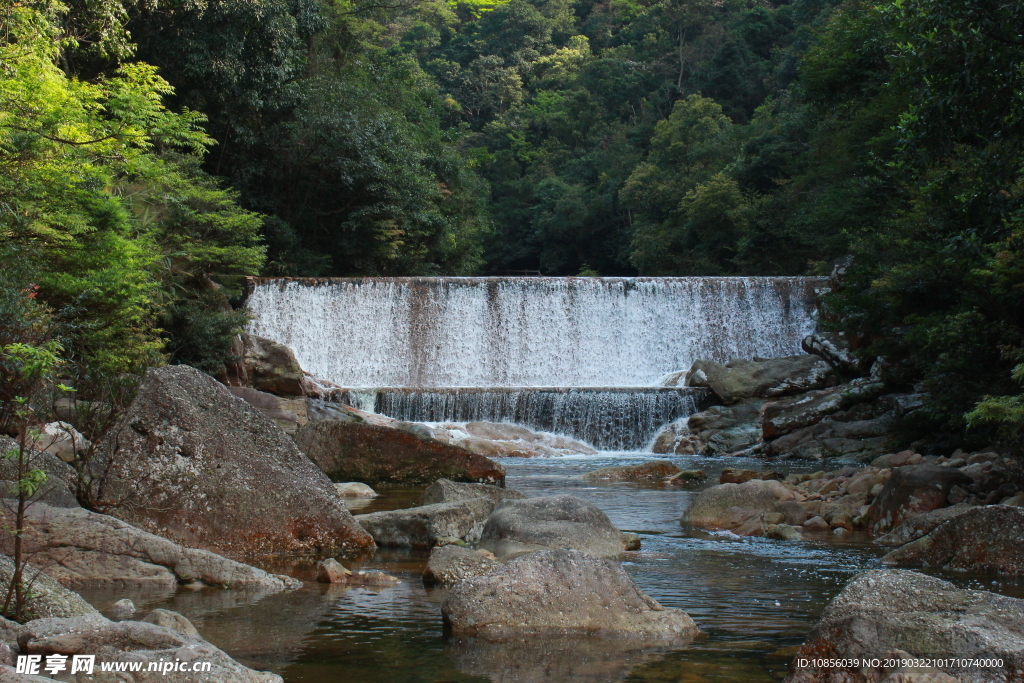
(614, 419)
(578, 356)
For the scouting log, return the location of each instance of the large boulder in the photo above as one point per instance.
(425, 526)
(740, 508)
(46, 597)
(195, 464)
(912, 491)
(448, 491)
(271, 367)
(375, 454)
(653, 470)
(882, 613)
(981, 539)
(724, 430)
(520, 526)
(79, 548)
(761, 378)
(556, 593)
(450, 564)
(135, 641)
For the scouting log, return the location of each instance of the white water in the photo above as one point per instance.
(607, 419)
(527, 332)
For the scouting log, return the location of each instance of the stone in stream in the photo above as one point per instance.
(136, 641)
(989, 538)
(80, 548)
(355, 489)
(375, 454)
(543, 523)
(912, 490)
(654, 470)
(172, 620)
(426, 525)
(448, 491)
(884, 614)
(122, 609)
(214, 472)
(450, 564)
(739, 508)
(558, 593)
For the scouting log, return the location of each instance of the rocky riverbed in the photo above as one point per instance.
(547, 562)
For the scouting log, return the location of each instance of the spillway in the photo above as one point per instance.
(527, 331)
(579, 356)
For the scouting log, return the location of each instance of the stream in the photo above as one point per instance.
(754, 599)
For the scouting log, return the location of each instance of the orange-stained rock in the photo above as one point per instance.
(375, 454)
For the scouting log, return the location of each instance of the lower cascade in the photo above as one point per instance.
(608, 418)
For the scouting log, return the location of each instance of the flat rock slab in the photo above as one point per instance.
(989, 538)
(424, 526)
(655, 470)
(913, 528)
(215, 473)
(375, 454)
(557, 593)
(80, 548)
(885, 611)
(521, 526)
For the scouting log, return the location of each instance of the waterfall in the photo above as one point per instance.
(529, 331)
(574, 356)
(611, 418)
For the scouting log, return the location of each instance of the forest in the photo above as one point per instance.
(154, 153)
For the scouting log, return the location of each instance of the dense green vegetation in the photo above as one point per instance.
(150, 153)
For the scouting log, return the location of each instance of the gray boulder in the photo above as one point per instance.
(521, 526)
(557, 593)
(739, 508)
(450, 564)
(981, 539)
(761, 378)
(80, 548)
(135, 641)
(172, 620)
(214, 472)
(46, 597)
(835, 350)
(885, 611)
(425, 526)
(724, 430)
(271, 367)
(448, 491)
